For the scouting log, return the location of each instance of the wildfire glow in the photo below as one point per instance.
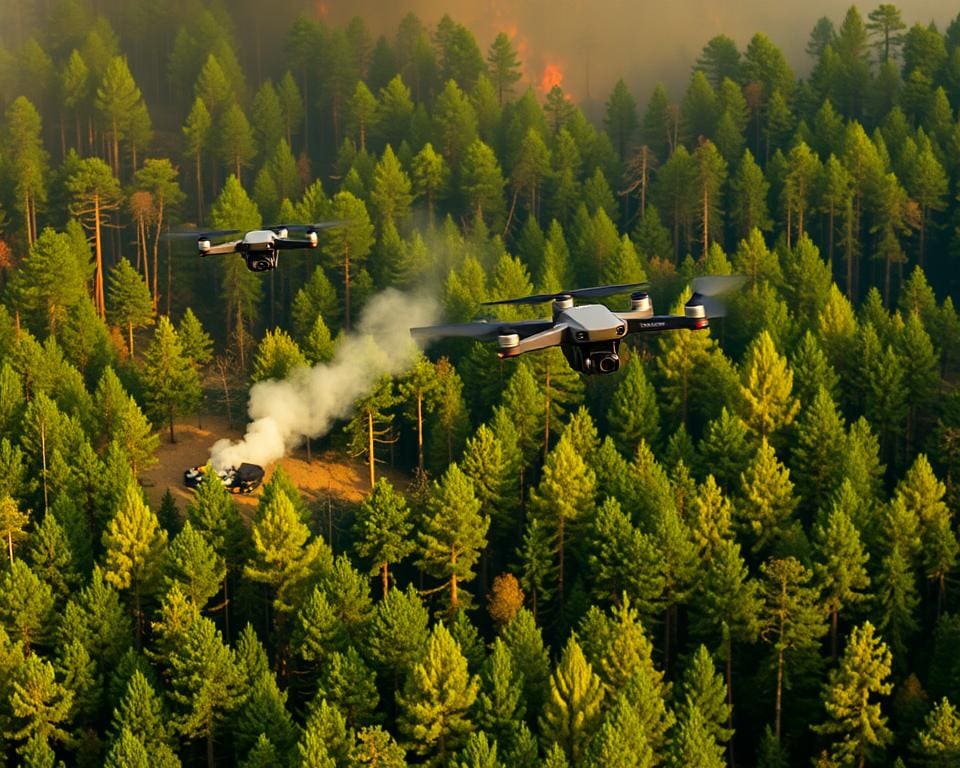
(552, 75)
(322, 10)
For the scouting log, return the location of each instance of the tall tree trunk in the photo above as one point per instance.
(779, 706)
(420, 431)
(370, 446)
(384, 578)
(346, 289)
(454, 596)
(99, 298)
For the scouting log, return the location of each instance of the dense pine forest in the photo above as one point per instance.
(739, 550)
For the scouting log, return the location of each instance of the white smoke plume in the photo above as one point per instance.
(310, 400)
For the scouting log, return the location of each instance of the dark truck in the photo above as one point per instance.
(243, 479)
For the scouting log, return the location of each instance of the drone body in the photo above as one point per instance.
(590, 334)
(260, 248)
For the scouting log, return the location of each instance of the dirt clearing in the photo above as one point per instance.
(328, 475)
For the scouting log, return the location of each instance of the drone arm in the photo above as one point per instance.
(657, 323)
(551, 337)
(288, 244)
(221, 248)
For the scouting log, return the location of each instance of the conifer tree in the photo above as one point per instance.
(437, 697)
(277, 355)
(453, 534)
(206, 683)
(398, 633)
(135, 545)
(172, 383)
(856, 721)
(26, 606)
(727, 448)
(562, 389)
(131, 305)
(12, 524)
(633, 413)
(840, 569)
(382, 530)
(376, 748)
(694, 744)
(350, 685)
(896, 596)
(141, 714)
(767, 384)
(192, 562)
(564, 497)
(372, 424)
(938, 742)
(790, 620)
(39, 704)
(94, 193)
(348, 245)
(264, 713)
(573, 709)
(818, 454)
(28, 161)
(768, 502)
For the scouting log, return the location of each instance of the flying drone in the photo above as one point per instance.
(590, 334)
(260, 248)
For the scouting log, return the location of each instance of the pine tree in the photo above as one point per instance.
(372, 424)
(896, 596)
(453, 534)
(573, 710)
(172, 383)
(277, 355)
(500, 702)
(391, 194)
(564, 497)
(767, 389)
(856, 721)
(430, 177)
(482, 184)
(94, 193)
(840, 569)
(135, 544)
(350, 243)
(26, 606)
(264, 713)
(694, 744)
(437, 697)
(382, 530)
(28, 161)
(377, 749)
(131, 305)
(193, 563)
(819, 450)
(350, 685)
(282, 557)
(40, 706)
(938, 742)
(206, 683)
(141, 714)
(196, 133)
(398, 633)
(633, 413)
(791, 618)
(12, 524)
(768, 502)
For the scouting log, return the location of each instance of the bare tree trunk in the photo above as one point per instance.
(98, 294)
(370, 446)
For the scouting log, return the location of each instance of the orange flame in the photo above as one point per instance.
(322, 9)
(552, 75)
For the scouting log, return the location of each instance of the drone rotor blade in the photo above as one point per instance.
(577, 293)
(191, 234)
(470, 330)
(709, 290)
(605, 290)
(717, 285)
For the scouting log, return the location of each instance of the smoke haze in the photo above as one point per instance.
(594, 42)
(310, 400)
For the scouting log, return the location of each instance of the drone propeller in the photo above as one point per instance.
(578, 293)
(708, 289)
(471, 330)
(308, 227)
(196, 234)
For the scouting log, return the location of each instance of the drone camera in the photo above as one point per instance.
(261, 262)
(602, 362)
(621, 329)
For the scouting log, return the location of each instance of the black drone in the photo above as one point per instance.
(590, 334)
(260, 248)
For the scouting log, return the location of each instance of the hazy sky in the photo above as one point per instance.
(595, 41)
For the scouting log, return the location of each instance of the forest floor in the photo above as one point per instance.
(329, 476)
